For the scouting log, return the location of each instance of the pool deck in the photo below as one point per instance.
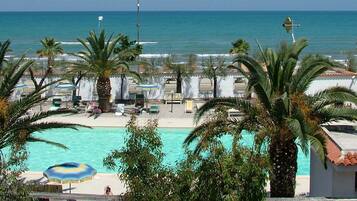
(166, 119)
(110, 120)
(100, 181)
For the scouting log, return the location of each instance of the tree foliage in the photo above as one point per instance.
(181, 70)
(214, 68)
(283, 115)
(219, 174)
(240, 46)
(98, 59)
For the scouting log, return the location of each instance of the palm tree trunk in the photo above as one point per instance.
(122, 77)
(179, 83)
(103, 90)
(215, 87)
(283, 159)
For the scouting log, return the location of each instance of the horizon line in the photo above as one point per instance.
(188, 10)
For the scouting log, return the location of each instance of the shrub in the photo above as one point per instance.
(11, 188)
(139, 163)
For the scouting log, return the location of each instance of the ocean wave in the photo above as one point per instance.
(78, 43)
(148, 43)
(154, 55)
(70, 43)
(214, 55)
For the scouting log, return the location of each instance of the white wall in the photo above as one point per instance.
(190, 86)
(321, 179)
(335, 181)
(322, 83)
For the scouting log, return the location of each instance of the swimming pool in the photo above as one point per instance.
(92, 145)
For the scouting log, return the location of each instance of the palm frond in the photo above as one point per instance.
(56, 144)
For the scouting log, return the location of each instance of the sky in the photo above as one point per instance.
(125, 5)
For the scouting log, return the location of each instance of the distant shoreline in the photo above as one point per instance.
(143, 11)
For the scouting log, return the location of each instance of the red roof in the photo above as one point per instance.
(336, 72)
(335, 155)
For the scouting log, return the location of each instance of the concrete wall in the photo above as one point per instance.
(321, 179)
(335, 181)
(344, 184)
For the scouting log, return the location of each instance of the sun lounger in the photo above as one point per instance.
(139, 100)
(119, 111)
(234, 113)
(199, 105)
(91, 106)
(154, 109)
(173, 98)
(56, 102)
(189, 106)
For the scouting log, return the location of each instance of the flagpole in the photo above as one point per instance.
(138, 21)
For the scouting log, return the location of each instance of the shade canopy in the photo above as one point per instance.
(68, 86)
(70, 173)
(149, 86)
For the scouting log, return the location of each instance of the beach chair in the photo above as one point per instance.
(199, 105)
(234, 113)
(90, 107)
(189, 106)
(139, 100)
(56, 104)
(154, 109)
(119, 111)
(76, 101)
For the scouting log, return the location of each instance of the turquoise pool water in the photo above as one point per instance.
(92, 145)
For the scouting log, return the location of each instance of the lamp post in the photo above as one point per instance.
(289, 25)
(172, 101)
(138, 21)
(100, 19)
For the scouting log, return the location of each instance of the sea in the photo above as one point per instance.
(185, 32)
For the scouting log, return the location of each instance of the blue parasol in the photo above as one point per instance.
(70, 173)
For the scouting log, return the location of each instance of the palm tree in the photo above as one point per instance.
(50, 49)
(283, 115)
(351, 64)
(16, 125)
(127, 51)
(212, 70)
(180, 70)
(240, 46)
(150, 68)
(99, 60)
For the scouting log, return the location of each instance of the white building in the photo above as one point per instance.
(339, 180)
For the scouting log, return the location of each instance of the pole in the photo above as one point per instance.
(100, 19)
(172, 101)
(292, 34)
(138, 21)
(70, 188)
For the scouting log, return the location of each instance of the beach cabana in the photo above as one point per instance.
(147, 88)
(68, 173)
(206, 86)
(132, 88)
(240, 87)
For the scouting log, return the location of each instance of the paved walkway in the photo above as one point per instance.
(100, 181)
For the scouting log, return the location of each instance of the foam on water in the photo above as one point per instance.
(70, 43)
